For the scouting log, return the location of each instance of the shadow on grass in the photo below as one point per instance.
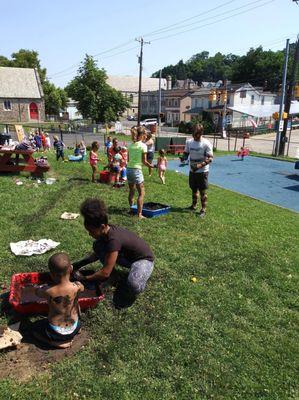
(78, 179)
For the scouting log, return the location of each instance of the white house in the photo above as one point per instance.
(239, 96)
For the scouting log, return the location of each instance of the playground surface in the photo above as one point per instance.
(273, 181)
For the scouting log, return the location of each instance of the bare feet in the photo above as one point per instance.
(140, 216)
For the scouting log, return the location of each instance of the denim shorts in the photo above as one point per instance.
(135, 175)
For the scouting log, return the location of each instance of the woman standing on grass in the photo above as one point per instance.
(137, 157)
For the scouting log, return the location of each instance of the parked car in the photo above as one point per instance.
(132, 118)
(149, 121)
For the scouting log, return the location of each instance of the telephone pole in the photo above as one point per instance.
(159, 104)
(289, 97)
(283, 87)
(140, 60)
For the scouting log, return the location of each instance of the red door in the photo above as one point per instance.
(33, 111)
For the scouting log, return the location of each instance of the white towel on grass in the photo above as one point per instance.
(30, 247)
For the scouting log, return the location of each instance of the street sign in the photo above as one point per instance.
(280, 126)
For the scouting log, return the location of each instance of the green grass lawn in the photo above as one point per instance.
(231, 335)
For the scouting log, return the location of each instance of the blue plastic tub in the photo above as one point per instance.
(151, 209)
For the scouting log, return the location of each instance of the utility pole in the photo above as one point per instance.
(289, 97)
(283, 87)
(140, 60)
(159, 103)
(224, 109)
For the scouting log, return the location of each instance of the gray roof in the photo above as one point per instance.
(20, 83)
(130, 83)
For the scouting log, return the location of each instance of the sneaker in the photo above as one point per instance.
(202, 214)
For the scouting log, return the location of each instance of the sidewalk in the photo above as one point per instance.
(260, 144)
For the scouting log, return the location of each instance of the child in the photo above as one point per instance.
(108, 144)
(82, 148)
(123, 164)
(115, 166)
(77, 150)
(48, 142)
(115, 245)
(58, 145)
(43, 139)
(63, 322)
(162, 165)
(93, 159)
(38, 140)
(243, 152)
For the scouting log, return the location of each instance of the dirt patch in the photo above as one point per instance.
(32, 358)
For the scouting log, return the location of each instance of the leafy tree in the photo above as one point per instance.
(4, 62)
(96, 99)
(258, 67)
(28, 59)
(55, 98)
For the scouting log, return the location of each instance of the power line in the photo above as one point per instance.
(212, 23)
(204, 19)
(188, 19)
(103, 58)
(149, 33)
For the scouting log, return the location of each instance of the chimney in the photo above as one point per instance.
(168, 80)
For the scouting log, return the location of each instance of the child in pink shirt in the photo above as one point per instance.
(93, 159)
(162, 165)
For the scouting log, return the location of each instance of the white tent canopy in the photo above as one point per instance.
(260, 111)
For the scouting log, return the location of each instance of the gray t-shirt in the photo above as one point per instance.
(198, 152)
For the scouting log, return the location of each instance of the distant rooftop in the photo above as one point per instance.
(20, 83)
(131, 83)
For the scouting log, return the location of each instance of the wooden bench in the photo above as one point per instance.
(20, 160)
(175, 148)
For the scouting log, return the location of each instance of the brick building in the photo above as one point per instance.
(21, 95)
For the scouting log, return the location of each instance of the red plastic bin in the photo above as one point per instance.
(104, 177)
(38, 278)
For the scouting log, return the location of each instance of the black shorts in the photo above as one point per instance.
(198, 181)
(44, 328)
(150, 156)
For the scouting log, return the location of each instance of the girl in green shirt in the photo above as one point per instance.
(136, 159)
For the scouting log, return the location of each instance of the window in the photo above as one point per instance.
(243, 94)
(263, 100)
(252, 99)
(131, 98)
(7, 105)
(175, 102)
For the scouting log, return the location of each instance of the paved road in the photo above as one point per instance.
(261, 144)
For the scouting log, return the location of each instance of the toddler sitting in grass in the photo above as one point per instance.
(62, 324)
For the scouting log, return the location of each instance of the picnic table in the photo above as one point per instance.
(20, 160)
(175, 148)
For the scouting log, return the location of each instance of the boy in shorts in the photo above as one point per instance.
(200, 153)
(62, 324)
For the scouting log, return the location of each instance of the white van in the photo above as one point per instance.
(149, 121)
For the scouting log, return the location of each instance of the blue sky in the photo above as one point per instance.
(64, 31)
